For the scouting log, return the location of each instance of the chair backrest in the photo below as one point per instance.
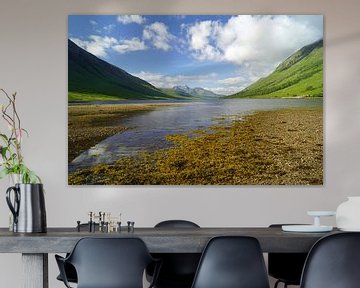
(110, 262)
(178, 269)
(232, 262)
(333, 262)
(176, 224)
(286, 267)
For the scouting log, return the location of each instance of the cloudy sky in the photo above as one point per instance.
(220, 53)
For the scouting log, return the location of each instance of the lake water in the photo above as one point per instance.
(148, 130)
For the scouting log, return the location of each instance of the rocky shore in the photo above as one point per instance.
(279, 147)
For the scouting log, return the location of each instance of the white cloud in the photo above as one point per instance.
(134, 44)
(200, 37)
(93, 22)
(226, 90)
(169, 81)
(232, 80)
(109, 28)
(96, 45)
(100, 45)
(127, 19)
(231, 85)
(157, 33)
(252, 39)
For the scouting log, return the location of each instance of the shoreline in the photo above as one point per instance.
(90, 124)
(276, 147)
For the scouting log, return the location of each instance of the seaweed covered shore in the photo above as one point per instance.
(278, 147)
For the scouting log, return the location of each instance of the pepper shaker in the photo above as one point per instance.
(78, 226)
(90, 221)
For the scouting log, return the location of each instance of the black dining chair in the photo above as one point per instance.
(108, 263)
(333, 262)
(178, 269)
(70, 271)
(286, 267)
(232, 262)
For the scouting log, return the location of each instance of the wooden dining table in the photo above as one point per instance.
(35, 247)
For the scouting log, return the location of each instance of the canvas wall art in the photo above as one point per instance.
(195, 100)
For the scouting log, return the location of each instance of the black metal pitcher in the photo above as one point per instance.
(28, 208)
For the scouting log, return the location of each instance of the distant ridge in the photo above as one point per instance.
(300, 75)
(90, 78)
(185, 90)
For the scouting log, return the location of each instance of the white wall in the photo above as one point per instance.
(33, 62)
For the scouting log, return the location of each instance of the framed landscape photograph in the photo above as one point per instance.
(195, 100)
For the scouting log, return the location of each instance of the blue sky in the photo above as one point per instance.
(222, 53)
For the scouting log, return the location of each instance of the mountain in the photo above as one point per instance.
(300, 75)
(197, 92)
(90, 78)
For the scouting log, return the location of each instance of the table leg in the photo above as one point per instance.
(35, 270)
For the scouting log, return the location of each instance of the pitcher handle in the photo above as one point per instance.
(13, 208)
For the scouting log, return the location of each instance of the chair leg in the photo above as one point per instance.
(278, 282)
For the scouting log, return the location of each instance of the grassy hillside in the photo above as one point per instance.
(300, 75)
(90, 78)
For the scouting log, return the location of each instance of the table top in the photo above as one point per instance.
(158, 240)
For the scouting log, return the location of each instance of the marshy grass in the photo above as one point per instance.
(282, 147)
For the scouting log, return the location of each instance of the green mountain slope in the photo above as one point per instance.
(300, 75)
(90, 78)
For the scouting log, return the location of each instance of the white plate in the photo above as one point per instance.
(321, 213)
(306, 228)
(350, 229)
